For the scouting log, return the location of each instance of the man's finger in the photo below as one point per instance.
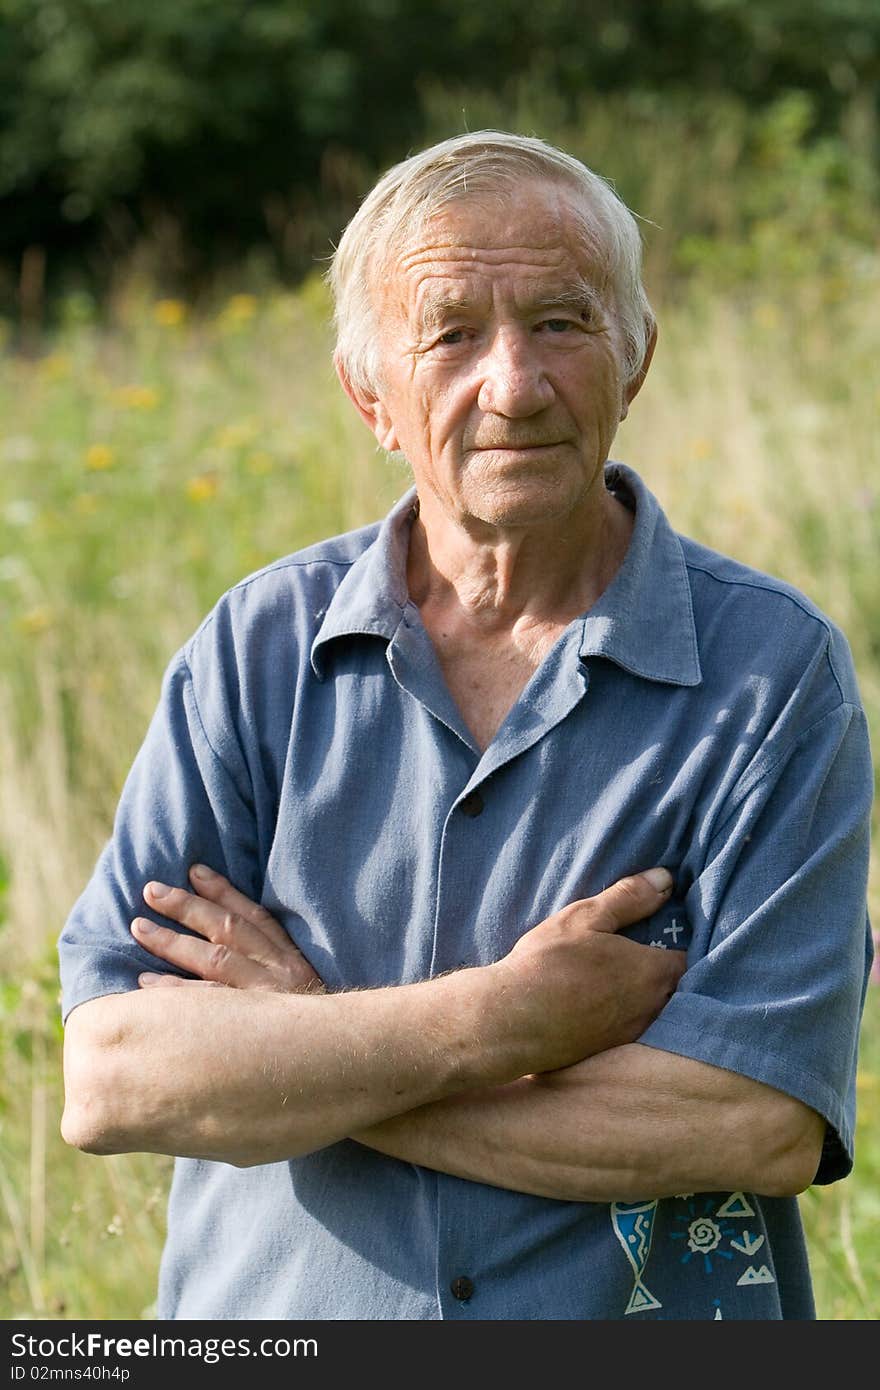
(217, 889)
(214, 922)
(631, 899)
(207, 959)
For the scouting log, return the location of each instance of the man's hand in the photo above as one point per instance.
(601, 990)
(239, 943)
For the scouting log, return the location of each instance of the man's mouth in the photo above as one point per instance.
(509, 446)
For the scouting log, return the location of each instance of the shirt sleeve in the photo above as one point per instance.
(181, 804)
(781, 946)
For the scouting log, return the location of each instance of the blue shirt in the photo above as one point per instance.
(701, 715)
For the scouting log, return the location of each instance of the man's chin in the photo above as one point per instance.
(520, 492)
(523, 505)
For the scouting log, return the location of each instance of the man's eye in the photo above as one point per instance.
(451, 337)
(558, 325)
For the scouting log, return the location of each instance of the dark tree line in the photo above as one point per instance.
(213, 126)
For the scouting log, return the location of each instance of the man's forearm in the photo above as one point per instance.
(628, 1124)
(253, 1077)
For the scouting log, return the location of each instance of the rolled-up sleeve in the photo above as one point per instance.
(181, 803)
(781, 944)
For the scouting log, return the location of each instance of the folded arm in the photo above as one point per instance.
(264, 1066)
(630, 1123)
(261, 1070)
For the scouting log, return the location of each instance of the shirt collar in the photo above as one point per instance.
(644, 620)
(372, 596)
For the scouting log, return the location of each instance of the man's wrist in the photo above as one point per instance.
(488, 1049)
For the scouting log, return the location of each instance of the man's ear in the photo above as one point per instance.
(632, 389)
(370, 407)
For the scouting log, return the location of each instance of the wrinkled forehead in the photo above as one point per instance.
(539, 233)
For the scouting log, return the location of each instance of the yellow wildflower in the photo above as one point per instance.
(55, 366)
(238, 310)
(99, 457)
(766, 315)
(35, 621)
(169, 313)
(202, 487)
(86, 503)
(701, 449)
(235, 435)
(137, 397)
(259, 462)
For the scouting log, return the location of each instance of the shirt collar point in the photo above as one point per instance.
(644, 622)
(670, 669)
(372, 596)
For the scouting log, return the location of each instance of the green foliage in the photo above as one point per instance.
(759, 197)
(217, 126)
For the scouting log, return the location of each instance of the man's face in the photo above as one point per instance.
(501, 353)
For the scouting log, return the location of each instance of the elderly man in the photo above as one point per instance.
(427, 799)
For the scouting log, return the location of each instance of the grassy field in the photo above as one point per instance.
(150, 460)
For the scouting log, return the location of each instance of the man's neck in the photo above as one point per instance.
(490, 579)
(494, 603)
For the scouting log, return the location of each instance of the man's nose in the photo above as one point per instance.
(513, 382)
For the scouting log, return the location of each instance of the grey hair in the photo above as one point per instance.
(480, 162)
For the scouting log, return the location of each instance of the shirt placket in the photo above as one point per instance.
(469, 836)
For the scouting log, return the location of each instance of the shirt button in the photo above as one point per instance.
(473, 804)
(462, 1287)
